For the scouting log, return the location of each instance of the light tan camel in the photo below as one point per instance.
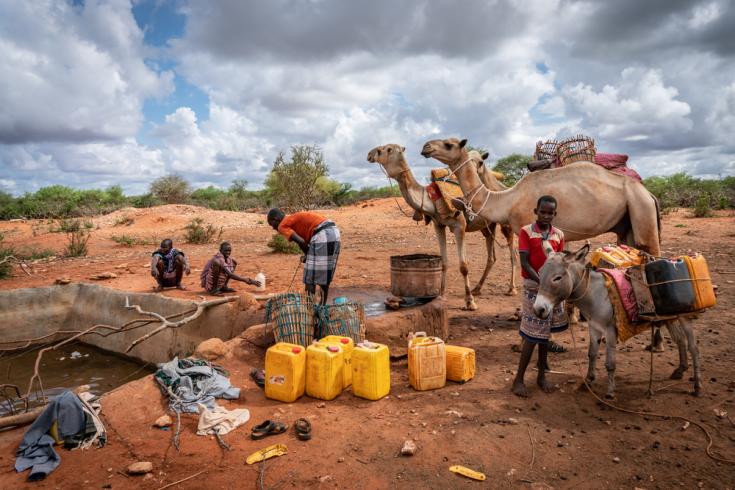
(591, 200)
(393, 160)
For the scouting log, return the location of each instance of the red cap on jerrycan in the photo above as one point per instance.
(344, 340)
(296, 350)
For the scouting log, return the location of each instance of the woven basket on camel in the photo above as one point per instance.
(577, 149)
(546, 150)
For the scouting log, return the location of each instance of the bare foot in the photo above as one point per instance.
(181, 286)
(519, 389)
(545, 385)
(227, 290)
(215, 292)
(158, 289)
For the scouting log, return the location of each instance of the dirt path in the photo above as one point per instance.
(577, 441)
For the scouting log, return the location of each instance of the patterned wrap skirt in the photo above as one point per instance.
(533, 328)
(321, 260)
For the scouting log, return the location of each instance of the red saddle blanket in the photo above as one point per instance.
(625, 291)
(616, 163)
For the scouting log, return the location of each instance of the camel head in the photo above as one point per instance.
(450, 151)
(391, 157)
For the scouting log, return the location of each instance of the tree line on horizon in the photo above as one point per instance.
(301, 181)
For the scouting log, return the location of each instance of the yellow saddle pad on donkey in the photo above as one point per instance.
(448, 186)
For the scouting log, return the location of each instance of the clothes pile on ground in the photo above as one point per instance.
(70, 419)
(190, 382)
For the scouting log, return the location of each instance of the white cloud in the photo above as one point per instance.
(72, 74)
(640, 107)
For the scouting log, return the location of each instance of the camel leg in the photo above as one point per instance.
(459, 234)
(610, 339)
(441, 237)
(490, 245)
(510, 240)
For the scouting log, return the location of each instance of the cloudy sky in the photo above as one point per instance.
(102, 92)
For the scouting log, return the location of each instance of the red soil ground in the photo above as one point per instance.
(577, 442)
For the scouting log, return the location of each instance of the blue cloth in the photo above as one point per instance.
(36, 450)
(191, 384)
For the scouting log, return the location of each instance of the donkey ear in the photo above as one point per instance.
(579, 255)
(462, 143)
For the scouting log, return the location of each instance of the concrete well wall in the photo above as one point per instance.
(35, 312)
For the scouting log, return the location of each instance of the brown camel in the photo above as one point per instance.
(591, 200)
(392, 158)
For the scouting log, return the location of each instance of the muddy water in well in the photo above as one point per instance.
(68, 367)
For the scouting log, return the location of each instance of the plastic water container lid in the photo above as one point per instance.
(332, 348)
(342, 300)
(344, 340)
(296, 350)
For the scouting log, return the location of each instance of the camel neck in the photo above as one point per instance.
(413, 192)
(492, 206)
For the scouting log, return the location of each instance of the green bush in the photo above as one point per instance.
(199, 232)
(77, 236)
(126, 240)
(684, 191)
(278, 244)
(702, 206)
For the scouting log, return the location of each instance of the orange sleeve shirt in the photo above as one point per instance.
(303, 223)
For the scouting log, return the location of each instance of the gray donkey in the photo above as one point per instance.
(565, 276)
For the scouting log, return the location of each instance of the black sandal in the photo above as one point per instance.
(258, 376)
(268, 428)
(556, 348)
(303, 429)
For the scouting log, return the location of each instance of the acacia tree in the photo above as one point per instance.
(171, 189)
(513, 167)
(294, 184)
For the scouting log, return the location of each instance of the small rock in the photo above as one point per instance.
(325, 478)
(103, 275)
(409, 448)
(616, 460)
(211, 349)
(62, 280)
(512, 421)
(321, 405)
(140, 468)
(163, 421)
(341, 459)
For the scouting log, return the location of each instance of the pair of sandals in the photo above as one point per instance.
(272, 427)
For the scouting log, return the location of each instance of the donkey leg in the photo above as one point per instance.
(594, 348)
(441, 237)
(681, 344)
(610, 339)
(491, 258)
(694, 351)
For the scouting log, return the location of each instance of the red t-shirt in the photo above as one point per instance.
(530, 240)
(303, 223)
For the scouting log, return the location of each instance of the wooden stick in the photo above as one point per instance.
(182, 480)
(22, 418)
(167, 324)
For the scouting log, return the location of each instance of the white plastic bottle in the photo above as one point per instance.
(260, 277)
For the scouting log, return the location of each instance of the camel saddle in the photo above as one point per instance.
(445, 187)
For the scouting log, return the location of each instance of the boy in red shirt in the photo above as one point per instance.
(535, 242)
(319, 239)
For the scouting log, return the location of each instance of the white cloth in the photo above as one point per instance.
(220, 420)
